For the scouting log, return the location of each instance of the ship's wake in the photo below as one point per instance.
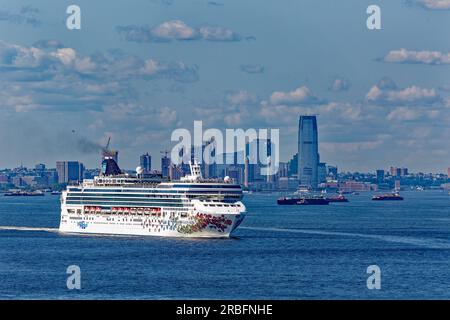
(430, 243)
(15, 228)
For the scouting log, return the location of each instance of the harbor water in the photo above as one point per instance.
(279, 252)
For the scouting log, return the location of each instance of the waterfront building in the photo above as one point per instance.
(69, 171)
(380, 176)
(4, 179)
(354, 186)
(393, 171)
(322, 172)
(333, 171)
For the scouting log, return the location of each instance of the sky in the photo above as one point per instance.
(137, 70)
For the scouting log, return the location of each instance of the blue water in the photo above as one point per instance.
(280, 252)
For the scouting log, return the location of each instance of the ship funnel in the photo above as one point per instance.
(110, 167)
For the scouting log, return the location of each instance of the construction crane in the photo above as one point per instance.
(108, 153)
(107, 144)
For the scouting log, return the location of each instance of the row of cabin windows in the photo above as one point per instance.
(220, 205)
(119, 203)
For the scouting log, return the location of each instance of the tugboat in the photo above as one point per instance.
(339, 198)
(387, 197)
(303, 201)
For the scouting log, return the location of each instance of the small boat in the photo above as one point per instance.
(339, 198)
(303, 201)
(387, 197)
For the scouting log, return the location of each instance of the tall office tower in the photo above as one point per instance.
(69, 171)
(393, 171)
(380, 176)
(246, 172)
(308, 152)
(146, 162)
(322, 172)
(257, 152)
(60, 169)
(293, 166)
(165, 164)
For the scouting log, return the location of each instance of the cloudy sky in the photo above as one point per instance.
(137, 70)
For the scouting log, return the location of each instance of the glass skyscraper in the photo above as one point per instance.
(146, 162)
(308, 153)
(69, 171)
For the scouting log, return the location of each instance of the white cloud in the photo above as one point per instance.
(350, 146)
(424, 57)
(54, 76)
(26, 15)
(299, 96)
(66, 55)
(413, 95)
(176, 30)
(404, 114)
(143, 117)
(340, 84)
(435, 4)
(252, 68)
(409, 114)
(241, 97)
(212, 33)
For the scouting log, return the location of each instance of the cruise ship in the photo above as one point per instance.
(149, 205)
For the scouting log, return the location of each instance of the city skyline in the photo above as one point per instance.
(382, 95)
(387, 168)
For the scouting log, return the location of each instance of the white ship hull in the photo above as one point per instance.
(142, 226)
(166, 223)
